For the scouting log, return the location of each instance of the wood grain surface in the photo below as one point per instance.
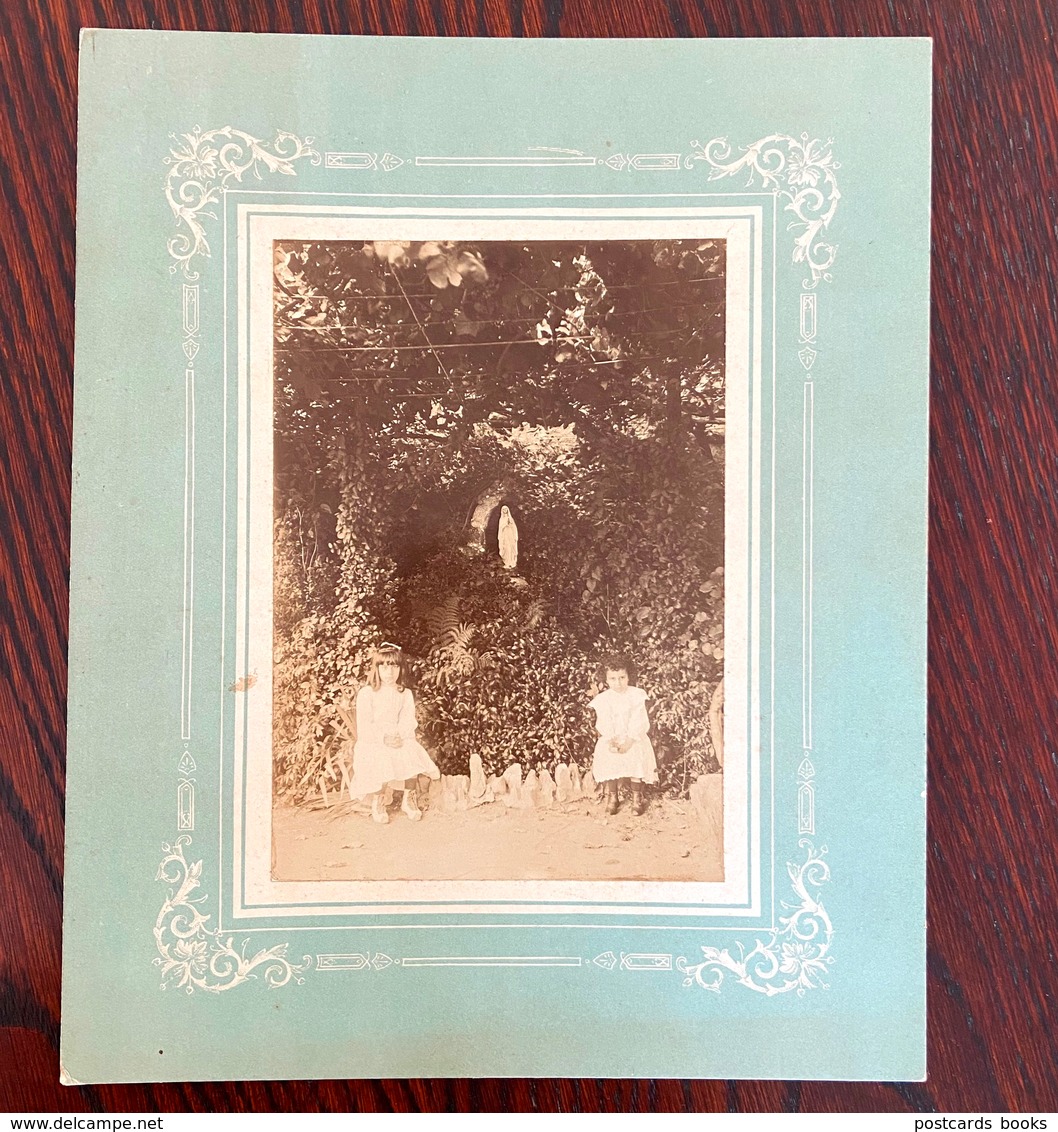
(993, 978)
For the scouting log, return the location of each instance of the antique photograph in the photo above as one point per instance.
(498, 557)
(498, 591)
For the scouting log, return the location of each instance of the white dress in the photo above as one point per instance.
(621, 716)
(387, 711)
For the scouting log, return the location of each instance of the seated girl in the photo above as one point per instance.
(387, 756)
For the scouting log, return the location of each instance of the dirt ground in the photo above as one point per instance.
(569, 841)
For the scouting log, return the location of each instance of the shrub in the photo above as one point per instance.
(620, 550)
(319, 658)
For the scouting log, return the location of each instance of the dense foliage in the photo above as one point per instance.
(421, 385)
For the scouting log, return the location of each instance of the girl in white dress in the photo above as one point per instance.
(624, 749)
(386, 755)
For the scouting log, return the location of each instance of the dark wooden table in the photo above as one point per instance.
(993, 979)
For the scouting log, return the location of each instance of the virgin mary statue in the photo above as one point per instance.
(508, 538)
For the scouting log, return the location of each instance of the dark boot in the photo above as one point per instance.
(639, 801)
(613, 801)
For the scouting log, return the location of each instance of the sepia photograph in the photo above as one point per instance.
(498, 556)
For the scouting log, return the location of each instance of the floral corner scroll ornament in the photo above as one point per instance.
(802, 172)
(192, 955)
(202, 163)
(794, 958)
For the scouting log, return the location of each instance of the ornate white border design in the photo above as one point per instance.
(202, 166)
(807, 170)
(358, 961)
(547, 157)
(363, 161)
(796, 955)
(190, 954)
(801, 170)
(803, 173)
(793, 958)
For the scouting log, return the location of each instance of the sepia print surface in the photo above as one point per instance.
(498, 559)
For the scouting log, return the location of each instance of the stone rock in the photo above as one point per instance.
(513, 777)
(530, 791)
(575, 786)
(563, 783)
(477, 777)
(587, 784)
(547, 789)
(497, 785)
(454, 789)
(461, 790)
(484, 800)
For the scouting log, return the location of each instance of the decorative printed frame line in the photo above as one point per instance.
(194, 956)
(794, 958)
(202, 163)
(803, 173)
(188, 616)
